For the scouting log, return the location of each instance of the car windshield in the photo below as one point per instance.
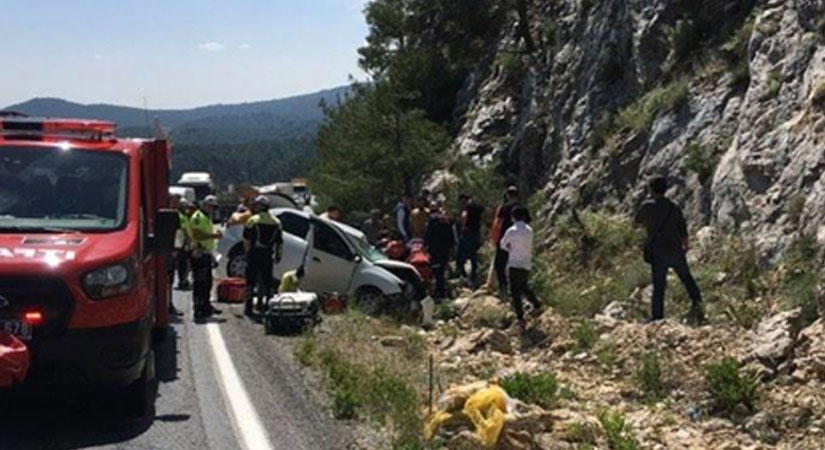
(365, 249)
(54, 189)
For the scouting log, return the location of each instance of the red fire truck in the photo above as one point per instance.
(84, 238)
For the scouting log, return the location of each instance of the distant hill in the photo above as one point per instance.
(258, 142)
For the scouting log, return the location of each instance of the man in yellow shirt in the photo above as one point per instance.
(291, 281)
(203, 244)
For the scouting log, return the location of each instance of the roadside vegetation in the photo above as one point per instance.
(367, 381)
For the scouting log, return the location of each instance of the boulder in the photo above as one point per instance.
(775, 338)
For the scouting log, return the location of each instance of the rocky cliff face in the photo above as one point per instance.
(726, 97)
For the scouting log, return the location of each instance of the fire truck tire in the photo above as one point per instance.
(139, 397)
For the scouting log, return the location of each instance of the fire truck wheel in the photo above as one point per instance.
(139, 397)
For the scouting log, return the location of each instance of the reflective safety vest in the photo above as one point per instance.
(200, 221)
(263, 232)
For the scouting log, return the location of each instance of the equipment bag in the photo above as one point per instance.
(14, 360)
(232, 290)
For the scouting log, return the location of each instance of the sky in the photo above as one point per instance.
(177, 53)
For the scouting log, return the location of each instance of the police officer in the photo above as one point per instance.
(203, 244)
(263, 239)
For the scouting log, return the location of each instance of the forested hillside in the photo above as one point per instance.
(259, 142)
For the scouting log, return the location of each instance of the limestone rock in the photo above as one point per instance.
(775, 338)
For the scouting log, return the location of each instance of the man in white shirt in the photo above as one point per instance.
(518, 242)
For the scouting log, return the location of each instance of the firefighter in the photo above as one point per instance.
(203, 244)
(263, 241)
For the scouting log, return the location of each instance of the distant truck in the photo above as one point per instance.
(201, 182)
(84, 240)
(185, 193)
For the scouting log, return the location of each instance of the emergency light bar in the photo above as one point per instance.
(60, 128)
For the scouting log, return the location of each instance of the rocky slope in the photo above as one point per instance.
(727, 97)
(790, 364)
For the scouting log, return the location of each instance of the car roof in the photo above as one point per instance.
(352, 231)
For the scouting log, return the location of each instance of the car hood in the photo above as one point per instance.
(24, 254)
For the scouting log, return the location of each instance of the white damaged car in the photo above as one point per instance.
(338, 260)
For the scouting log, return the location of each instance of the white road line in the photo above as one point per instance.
(247, 423)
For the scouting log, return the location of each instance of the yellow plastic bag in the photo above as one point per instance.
(486, 409)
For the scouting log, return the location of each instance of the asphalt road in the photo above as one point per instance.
(223, 385)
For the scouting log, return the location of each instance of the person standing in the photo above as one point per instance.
(372, 227)
(440, 241)
(666, 248)
(203, 244)
(469, 237)
(183, 243)
(333, 213)
(518, 242)
(419, 217)
(402, 217)
(504, 214)
(263, 240)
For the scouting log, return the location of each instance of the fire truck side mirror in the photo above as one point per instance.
(167, 222)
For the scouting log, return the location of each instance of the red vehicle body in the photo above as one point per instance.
(84, 238)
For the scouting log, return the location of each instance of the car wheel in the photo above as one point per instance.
(139, 397)
(236, 267)
(370, 300)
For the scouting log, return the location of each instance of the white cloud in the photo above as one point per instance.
(245, 47)
(98, 56)
(212, 47)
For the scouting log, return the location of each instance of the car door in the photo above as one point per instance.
(330, 262)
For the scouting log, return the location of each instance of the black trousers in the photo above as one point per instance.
(500, 267)
(182, 262)
(659, 269)
(439, 265)
(258, 275)
(519, 288)
(468, 249)
(202, 286)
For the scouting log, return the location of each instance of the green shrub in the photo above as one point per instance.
(774, 86)
(701, 160)
(539, 389)
(728, 388)
(745, 314)
(640, 115)
(446, 311)
(345, 405)
(305, 351)
(492, 317)
(585, 335)
(608, 359)
(649, 376)
(617, 431)
(375, 393)
(683, 39)
(568, 393)
(581, 432)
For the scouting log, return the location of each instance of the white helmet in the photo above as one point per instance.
(261, 200)
(210, 200)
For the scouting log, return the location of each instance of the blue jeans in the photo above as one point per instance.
(659, 268)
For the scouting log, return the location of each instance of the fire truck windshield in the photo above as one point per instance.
(54, 189)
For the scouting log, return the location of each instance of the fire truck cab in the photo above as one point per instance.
(84, 240)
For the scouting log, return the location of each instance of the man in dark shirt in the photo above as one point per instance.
(440, 240)
(263, 238)
(470, 237)
(666, 247)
